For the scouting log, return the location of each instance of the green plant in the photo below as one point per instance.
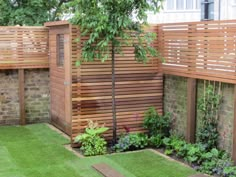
(208, 106)
(155, 141)
(157, 124)
(168, 148)
(224, 166)
(229, 171)
(91, 141)
(131, 141)
(213, 161)
(209, 161)
(194, 153)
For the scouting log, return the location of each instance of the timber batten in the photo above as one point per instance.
(23, 47)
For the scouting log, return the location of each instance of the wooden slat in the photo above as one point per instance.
(191, 110)
(23, 47)
(234, 129)
(203, 50)
(21, 77)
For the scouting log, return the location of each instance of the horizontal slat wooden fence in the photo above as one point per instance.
(138, 86)
(204, 50)
(23, 47)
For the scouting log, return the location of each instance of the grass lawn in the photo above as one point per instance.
(38, 151)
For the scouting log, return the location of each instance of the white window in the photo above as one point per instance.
(170, 4)
(179, 4)
(183, 4)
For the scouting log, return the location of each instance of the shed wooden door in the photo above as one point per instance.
(61, 82)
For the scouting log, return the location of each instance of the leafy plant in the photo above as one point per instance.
(229, 171)
(157, 124)
(91, 140)
(169, 148)
(156, 141)
(213, 161)
(132, 141)
(194, 153)
(224, 166)
(208, 106)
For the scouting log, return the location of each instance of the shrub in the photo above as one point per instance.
(157, 124)
(132, 141)
(91, 141)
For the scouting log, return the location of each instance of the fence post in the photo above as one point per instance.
(21, 79)
(191, 109)
(234, 128)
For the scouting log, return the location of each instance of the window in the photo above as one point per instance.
(170, 5)
(207, 10)
(198, 4)
(179, 4)
(189, 4)
(60, 50)
(183, 4)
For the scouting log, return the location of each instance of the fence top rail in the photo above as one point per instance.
(56, 23)
(23, 27)
(199, 23)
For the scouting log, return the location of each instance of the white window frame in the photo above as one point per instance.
(194, 9)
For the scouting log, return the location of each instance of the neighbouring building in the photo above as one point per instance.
(194, 10)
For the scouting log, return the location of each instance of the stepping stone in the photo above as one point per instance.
(106, 170)
(199, 175)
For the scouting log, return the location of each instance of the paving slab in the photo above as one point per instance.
(199, 175)
(106, 170)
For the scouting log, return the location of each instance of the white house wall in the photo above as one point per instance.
(227, 9)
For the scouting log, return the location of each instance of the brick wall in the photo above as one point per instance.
(9, 101)
(175, 101)
(36, 96)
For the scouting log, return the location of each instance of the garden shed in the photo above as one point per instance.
(83, 93)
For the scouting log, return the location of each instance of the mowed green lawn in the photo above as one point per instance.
(38, 151)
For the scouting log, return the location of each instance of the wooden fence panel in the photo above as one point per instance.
(138, 86)
(204, 50)
(23, 47)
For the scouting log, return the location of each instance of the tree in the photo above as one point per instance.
(111, 24)
(31, 12)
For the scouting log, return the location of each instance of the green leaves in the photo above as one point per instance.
(208, 106)
(157, 124)
(33, 12)
(92, 142)
(96, 131)
(114, 22)
(132, 141)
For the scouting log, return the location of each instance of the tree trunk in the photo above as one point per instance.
(113, 94)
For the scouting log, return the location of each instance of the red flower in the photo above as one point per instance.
(127, 129)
